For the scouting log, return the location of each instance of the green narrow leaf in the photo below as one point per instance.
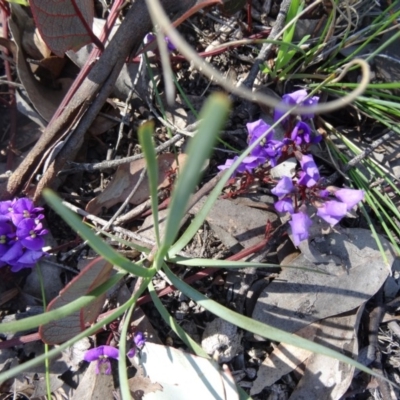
(122, 370)
(213, 116)
(95, 242)
(146, 141)
(167, 317)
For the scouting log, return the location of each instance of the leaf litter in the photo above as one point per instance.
(328, 308)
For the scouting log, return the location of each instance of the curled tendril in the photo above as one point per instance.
(158, 16)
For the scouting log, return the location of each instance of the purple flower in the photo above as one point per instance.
(296, 98)
(323, 193)
(285, 205)
(139, 339)
(300, 224)
(301, 134)
(268, 148)
(5, 210)
(13, 254)
(29, 233)
(332, 211)
(171, 47)
(21, 234)
(284, 186)
(310, 175)
(138, 342)
(28, 260)
(150, 37)
(248, 164)
(23, 209)
(349, 196)
(102, 355)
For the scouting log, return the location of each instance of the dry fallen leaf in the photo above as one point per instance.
(124, 181)
(182, 375)
(92, 276)
(44, 99)
(301, 297)
(324, 377)
(60, 25)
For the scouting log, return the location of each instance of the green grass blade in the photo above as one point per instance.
(122, 370)
(98, 245)
(167, 317)
(213, 116)
(145, 138)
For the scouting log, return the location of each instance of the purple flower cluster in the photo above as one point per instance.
(103, 354)
(21, 234)
(270, 149)
(332, 203)
(295, 194)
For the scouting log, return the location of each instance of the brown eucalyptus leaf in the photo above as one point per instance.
(329, 381)
(301, 297)
(44, 99)
(125, 180)
(92, 276)
(60, 25)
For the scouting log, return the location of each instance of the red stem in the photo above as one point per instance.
(12, 105)
(91, 60)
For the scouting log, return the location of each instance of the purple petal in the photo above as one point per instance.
(139, 339)
(5, 209)
(249, 163)
(306, 180)
(131, 353)
(13, 254)
(297, 97)
(171, 47)
(323, 193)
(93, 354)
(228, 164)
(100, 352)
(256, 129)
(111, 352)
(285, 205)
(300, 225)
(30, 257)
(332, 211)
(284, 186)
(33, 243)
(350, 197)
(311, 170)
(312, 101)
(301, 133)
